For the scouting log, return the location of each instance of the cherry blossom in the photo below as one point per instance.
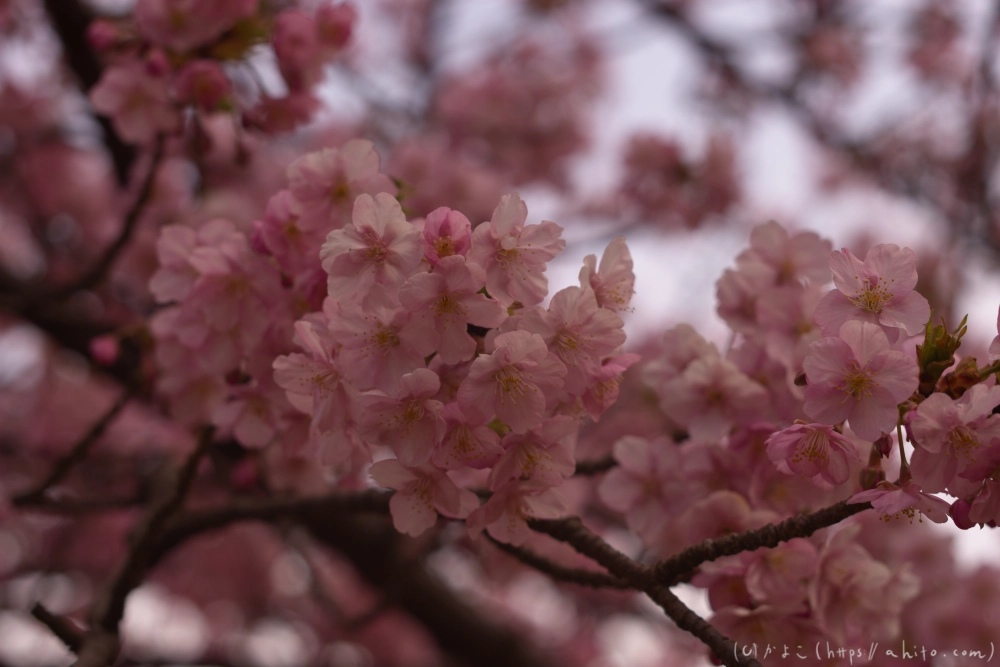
(466, 443)
(514, 255)
(949, 434)
(381, 341)
(326, 183)
(878, 291)
(449, 297)
(907, 499)
(544, 453)
(579, 331)
(410, 421)
(505, 514)
(512, 382)
(421, 492)
(614, 282)
(446, 233)
(815, 451)
(139, 105)
(379, 247)
(857, 377)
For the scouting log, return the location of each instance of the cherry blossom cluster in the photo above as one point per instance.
(816, 381)
(425, 338)
(171, 55)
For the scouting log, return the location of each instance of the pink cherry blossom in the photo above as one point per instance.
(514, 255)
(446, 233)
(378, 247)
(949, 434)
(381, 341)
(410, 421)
(512, 382)
(614, 282)
(139, 105)
(505, 514)
(579, 332)
(449, 298)
(251, 416)
(791, 259)
(681, 345)
(326, 182)
(603, 391)
(334, 24)
(466, 443)
(297, 49)
(815, 451)
(891, 501)
(421, 492)
(857, 377)
(649, 477)
(544, 453)
(203, 83)
(878, 291)
(313, 382)
(775, 576)
(710, 396)
(854, 595)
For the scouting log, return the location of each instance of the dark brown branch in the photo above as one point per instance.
(101, 644)
(560, 572)
(76, 454)
(595, 466)
(95, 274)
(70, 20)
(573, 532)
(670, 570)
(63, 628)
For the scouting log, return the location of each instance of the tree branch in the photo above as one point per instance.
(595, 466)
(560, 572)
(669, 571)
(77, 453)
(573, 532)
(63, 628)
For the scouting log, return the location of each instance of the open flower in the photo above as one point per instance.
(421, 492)
(857, 377)
(906, 500)
(815, 451)
(879, 291)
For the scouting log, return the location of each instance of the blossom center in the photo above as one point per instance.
(874, 296)
(444, 246)
(448, 305)
(377, 250)
(963, 442)
(386, 338)
(812, 448)
(509, 382)
(858, 383)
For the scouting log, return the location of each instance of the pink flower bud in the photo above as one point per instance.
(102, 35)
(105, 349)
(960, 514)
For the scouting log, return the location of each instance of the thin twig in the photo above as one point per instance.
(670, 570)
(595, 466)
(561, 572)
(77, 453)
(95, 274)
(638, 576)
(63, 628)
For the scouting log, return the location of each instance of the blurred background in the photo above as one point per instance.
(679, 125)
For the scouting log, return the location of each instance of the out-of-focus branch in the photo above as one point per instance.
(101, 643)
(573, 532)
(560, 572)
(595, 466)
(95, 274)
(77, 453)
(70, 20)
(803, 525)
(63, 628)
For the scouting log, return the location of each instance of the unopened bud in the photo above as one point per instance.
(960, 514)
(883, 445)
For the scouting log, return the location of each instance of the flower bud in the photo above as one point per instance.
(960, 514)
